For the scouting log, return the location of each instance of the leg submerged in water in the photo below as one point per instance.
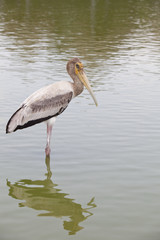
(50, 124)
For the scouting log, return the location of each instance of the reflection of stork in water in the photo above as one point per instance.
(44, 195)
(49, 102)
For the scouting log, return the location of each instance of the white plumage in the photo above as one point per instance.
(42, 104)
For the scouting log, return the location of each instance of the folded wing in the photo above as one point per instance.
(45, 103)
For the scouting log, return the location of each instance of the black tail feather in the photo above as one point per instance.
(11, 119)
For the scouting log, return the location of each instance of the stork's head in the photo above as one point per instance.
(75, 68)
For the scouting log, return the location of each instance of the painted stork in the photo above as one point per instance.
(50, 101)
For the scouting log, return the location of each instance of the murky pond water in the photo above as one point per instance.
(103, 178)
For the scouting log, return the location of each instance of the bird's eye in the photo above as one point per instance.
(77, 66)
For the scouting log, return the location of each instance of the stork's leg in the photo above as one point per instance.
(50, 123)
(49, 132)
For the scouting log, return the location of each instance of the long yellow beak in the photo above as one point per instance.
(83, 78)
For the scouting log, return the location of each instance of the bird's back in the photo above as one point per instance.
(47, 102)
